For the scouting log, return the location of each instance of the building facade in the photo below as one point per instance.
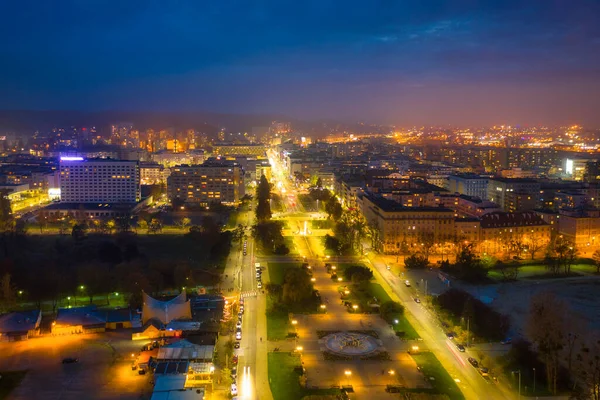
(99, 181)
(468, 184)
(514, 195)
(211, 182)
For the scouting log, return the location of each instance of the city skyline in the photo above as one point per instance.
(434, 63)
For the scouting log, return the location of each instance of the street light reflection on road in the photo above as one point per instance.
(246, 391)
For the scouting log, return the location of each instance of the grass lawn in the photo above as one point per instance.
(278, 325)
(284, 381)
(277, 271)
(540, 271)
(443, 382)
(376, 290)
(404, 326)
(9, 381)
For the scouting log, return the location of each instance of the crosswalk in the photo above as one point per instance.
(249, 293)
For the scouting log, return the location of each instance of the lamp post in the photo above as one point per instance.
(295, 323)
(348, 374)
(518, 372)
(534, 380)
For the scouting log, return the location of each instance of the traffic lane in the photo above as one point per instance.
(437, 339)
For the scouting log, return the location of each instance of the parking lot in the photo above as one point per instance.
(103, 370)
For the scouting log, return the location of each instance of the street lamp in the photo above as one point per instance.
(299, 348)
(294, 322)
(518, 372)
(339, 279)
(323, 307)
(533, 380)
(355, 307)
(348, 374)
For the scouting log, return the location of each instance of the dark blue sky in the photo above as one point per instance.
(405, 62)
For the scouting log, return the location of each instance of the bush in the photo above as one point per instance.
(416, 261)
(358, 274)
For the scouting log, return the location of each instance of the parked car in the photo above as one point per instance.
(239, 324)
(70, 360)
(234, 372)
(460, 347)
(236, 345)
(259, 285)
(450, 335)
(234, 390)
(473, 362)
(484, 371)
(238, 335)
(417, 300)
(407, 283)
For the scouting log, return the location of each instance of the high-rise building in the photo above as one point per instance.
(514, 194)
(99, 180)
(472, 185)
(215, 181)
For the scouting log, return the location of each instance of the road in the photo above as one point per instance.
(472, 384)
(470, 381)
(241, 277)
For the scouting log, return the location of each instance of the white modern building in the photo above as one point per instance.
(99, 180)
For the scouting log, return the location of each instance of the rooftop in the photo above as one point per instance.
(392, 206)
(505, 219)
(19, 321)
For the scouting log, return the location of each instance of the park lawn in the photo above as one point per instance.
(404, 325)
(540, 271)
(278, 325)
(277, 271)
(289, 242)
(284, 381)
(376, 290)
(9, 381)
(443, 382)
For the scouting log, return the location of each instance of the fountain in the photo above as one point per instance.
(351, 343)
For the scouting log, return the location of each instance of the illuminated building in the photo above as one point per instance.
(469, 184)
(501, 230)
(230, 149)
(514, 194)
(581, 226)
(99, 180)
(215, 181)
(400, 226)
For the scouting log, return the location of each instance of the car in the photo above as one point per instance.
(450, 335)
(238, 335)
(484, 371)
(473, 362)
(417, 300)
(235, 359)
(239, 324)
(259, 285)
(460, 347)
(388, 267)
(70, 360)
(234, 372)
(242, 308)
(258, 274)
(234, 391)
(407, 283)
(236, 345)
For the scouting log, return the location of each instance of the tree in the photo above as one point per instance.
(416, 261)
(358, 275)
(426, 241)
(184, 222)
(263, 211)
(331, 243)
(546, 328)
(297, 287)
(268, 234)
(155, 226)
(78, 232)
(95, 279)
(534, 245)
(390, 310)
(596, 258)
(468, 266)
(6, 216)
(8, 293)
(263, 190)
(319, 183)
(333, 208)
(587, 367)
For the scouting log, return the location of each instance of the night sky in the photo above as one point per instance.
(405, 62)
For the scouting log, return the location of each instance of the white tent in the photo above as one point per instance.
(166, 311)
